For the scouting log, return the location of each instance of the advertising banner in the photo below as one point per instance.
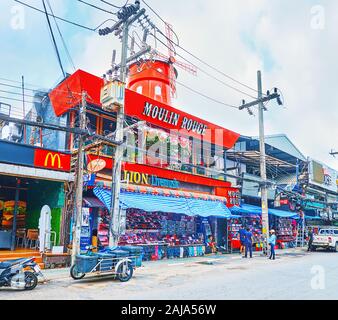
(322, 176)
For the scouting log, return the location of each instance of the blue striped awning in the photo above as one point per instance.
(160, 203)
(247, 209)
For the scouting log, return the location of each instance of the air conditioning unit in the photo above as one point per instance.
(112, 95)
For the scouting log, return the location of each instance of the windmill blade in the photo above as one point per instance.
(172, 80)
(160, 55)
(169, 34)
(187, 67)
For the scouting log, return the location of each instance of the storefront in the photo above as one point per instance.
(31, 178)
(178, 158)
(165, 222)
(249, 216)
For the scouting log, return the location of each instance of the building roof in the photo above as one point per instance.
(283, 143)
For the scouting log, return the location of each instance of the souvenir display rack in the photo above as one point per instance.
(162, 235)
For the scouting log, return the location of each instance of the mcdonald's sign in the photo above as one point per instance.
(52, 160)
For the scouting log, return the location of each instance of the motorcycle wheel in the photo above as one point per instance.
(125, 273)
(31, 280)
(76, 275)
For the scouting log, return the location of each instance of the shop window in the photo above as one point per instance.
(158, 91)
(139, 89)
(108, 126)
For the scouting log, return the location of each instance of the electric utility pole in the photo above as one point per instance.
(77, 221)
(127, 15)
(264, 191)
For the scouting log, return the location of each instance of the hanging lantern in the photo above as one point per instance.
(112, 95)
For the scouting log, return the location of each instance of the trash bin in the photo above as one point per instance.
(107, 260)
(135, 252)
(85, 264)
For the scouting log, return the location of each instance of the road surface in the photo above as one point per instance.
(293, 275)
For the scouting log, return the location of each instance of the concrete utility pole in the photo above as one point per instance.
(79, 182)
(262, 160)
(264, 191)
(115, 213)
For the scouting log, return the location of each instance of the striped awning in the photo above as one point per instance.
(166, 203)
(160, 191)
(247, 209)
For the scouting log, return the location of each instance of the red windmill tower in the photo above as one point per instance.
(157, 78)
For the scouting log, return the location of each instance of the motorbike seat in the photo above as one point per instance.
(10, 263)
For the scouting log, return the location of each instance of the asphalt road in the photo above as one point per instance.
(293, 275)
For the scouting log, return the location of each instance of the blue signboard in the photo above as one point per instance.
(15, 153)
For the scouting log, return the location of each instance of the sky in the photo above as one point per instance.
(293, 43)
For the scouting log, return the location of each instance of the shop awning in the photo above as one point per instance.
(160, 191)
(161, 203)
(312, 218)
(247, 209)
(92, 202)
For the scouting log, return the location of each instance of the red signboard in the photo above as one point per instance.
(52, 160)
(167, 117)
(165, 173)
(68, 94)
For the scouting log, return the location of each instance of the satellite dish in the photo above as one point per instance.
(96, 165)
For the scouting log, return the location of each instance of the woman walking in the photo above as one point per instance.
(272, 243)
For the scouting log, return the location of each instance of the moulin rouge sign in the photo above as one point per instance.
(167, 117)
(173, 118)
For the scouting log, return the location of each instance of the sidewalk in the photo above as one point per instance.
(59, 274)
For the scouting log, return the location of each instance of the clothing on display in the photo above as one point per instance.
(163, 235)
(286, 230)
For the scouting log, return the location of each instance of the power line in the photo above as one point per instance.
(197, 58)
(117, 7)
(205, 72)
(61, 36)
(178, 41)
(62, 19)
(17, 87)
(8, 98)
(195, 91)
(96, 7)
(15, 81)
(53, 40)
(17, 93)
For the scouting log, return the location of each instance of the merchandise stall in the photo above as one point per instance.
(253, 222)
(166, 225)
(163, 234)
(286, 230)
(283, 222)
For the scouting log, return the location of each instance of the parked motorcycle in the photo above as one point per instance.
(20, 273)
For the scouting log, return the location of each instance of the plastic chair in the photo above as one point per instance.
(20, 235)
(32, 236)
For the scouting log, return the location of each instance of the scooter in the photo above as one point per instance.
(20, 273)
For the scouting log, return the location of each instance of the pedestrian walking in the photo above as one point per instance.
(310, 235)
(248, 243)
(272, 243)
(242, 239)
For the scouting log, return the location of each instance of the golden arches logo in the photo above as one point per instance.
(52, 158)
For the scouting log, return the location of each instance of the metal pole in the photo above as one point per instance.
(17, 191)
(264, 191)
(116, 171)
(79, 182)
(24, 109)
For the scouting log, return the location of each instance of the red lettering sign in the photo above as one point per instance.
(164, 116)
